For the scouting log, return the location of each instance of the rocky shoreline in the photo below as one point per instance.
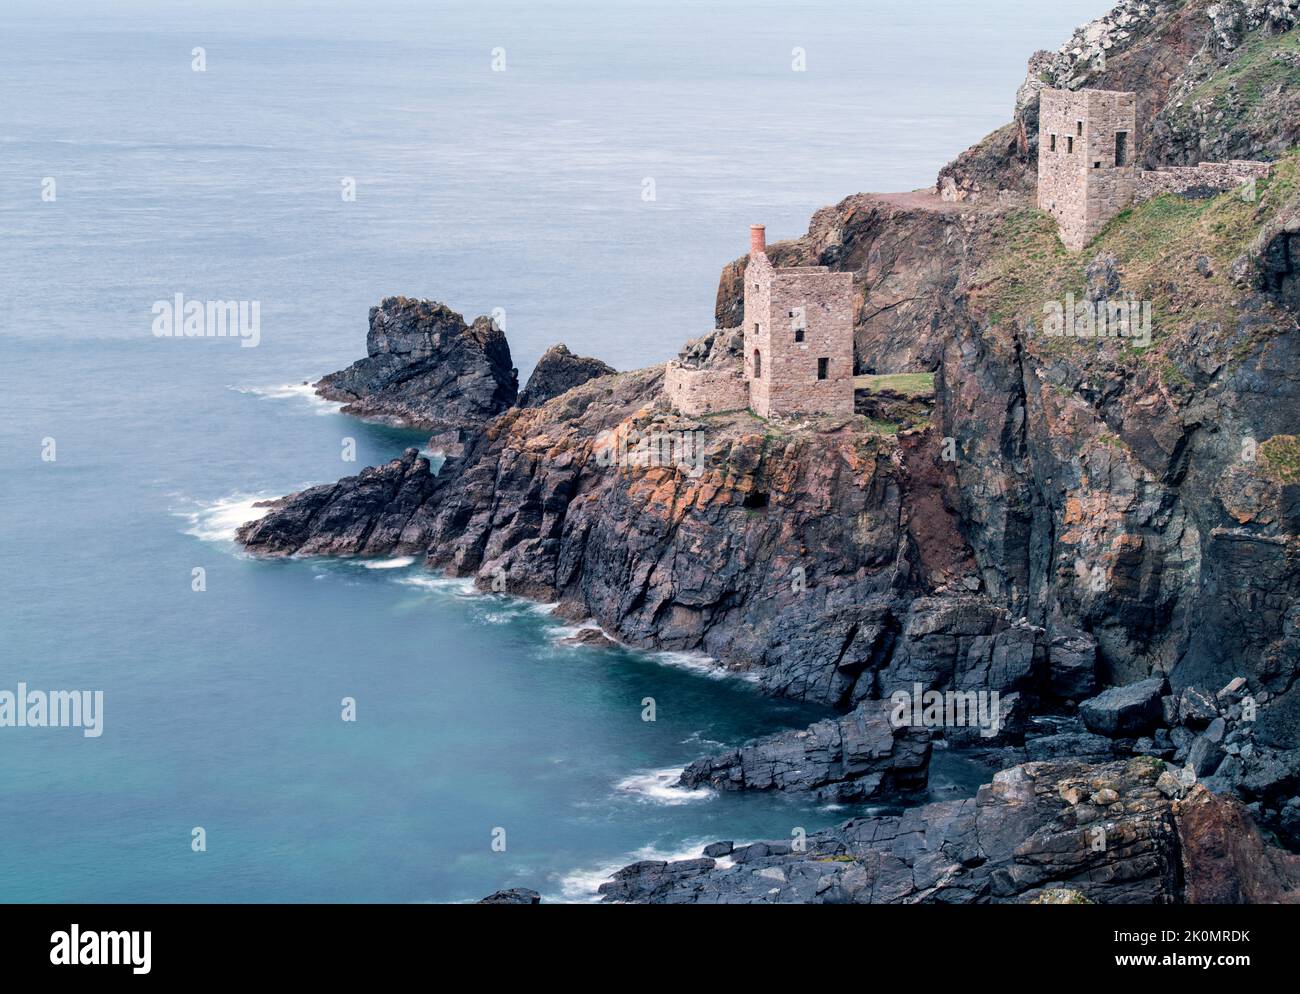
(1097, 545)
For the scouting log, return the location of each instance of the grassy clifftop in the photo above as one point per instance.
(1182, 254)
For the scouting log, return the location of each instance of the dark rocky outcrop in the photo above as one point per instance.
(559, 370)
(426, 368)
(1026, 832)
(856, 757)
(515, 895)
(556, 502)
(375, 513)
(1118, 832)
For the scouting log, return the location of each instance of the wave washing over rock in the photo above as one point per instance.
(1101, 539)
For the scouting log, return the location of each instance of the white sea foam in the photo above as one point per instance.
(699, 662)
(583, 885)
(293, 391)
(660, 787)
(460, 586)
(217, 521)
(398, 562)
(697, 739)
(561, 633)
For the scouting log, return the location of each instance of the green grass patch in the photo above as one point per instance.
(1156, 244)
(1279, 457)
(910, 385)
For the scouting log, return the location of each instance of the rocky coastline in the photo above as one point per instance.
(1099, 543)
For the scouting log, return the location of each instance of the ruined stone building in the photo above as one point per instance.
(798, 346)
(1086, 150)
(1087, 155)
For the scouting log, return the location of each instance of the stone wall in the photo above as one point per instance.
(819, 304)
(1208, 175)
(758, 313)
(1087, 144)
(796, 320)
(705, 391)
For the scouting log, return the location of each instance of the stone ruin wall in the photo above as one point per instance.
(1208, 175)
(1062, 186)
(705, 391)
(1084, 189)
(825, 301)
(1110, 186)
(758, 312)
(1079, 183)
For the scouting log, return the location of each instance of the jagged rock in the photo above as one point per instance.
(1196, 709)
(557, 371)
(1204, 755)
(516, 895)
(1017, 838)
(426, 368)
(1232, 687)
(855, 757)
(590, 637)
(1224, 858)
(1072, 663)
(1124, 711)
(378, 512)
(967, 643)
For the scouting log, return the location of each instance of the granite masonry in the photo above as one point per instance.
(1085, 159)
(1086, 172)
(798, 346)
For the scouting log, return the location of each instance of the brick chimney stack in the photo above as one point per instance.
(757, 239)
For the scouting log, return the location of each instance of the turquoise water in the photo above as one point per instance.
(520, 190)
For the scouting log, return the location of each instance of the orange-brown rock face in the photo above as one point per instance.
(1224, 858)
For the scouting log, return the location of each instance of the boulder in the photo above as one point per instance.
(1196, 708)
(1072, 665)
(1125, 711)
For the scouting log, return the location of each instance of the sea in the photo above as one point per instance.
(370, 731)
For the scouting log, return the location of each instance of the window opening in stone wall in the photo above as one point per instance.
(823, 367)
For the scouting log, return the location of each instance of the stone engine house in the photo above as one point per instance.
(1086, 150)
(1087, 155)
(798, 336)
(798, 345)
